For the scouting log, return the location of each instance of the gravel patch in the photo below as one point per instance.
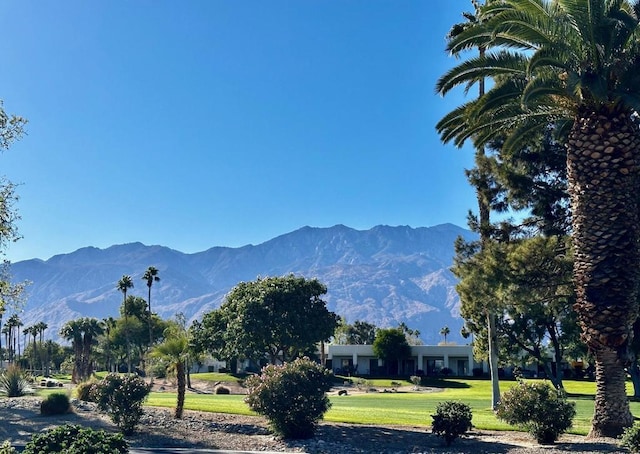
(158, 429)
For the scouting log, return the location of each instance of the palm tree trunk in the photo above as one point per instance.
(602, 165)
(611, 406)
(180, 375)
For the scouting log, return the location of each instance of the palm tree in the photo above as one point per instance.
(175, 349)
(108, 324)
(124, 284)
(575, 65)
(72, 331)
(480, 178)
(13, 325)
(32, 331)
(41, 328)
(82, 333)
(445, 332)
(151, 276)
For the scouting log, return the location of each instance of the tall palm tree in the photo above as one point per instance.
(124, 284)
(150, 276)
(72, 331)
(175, 350)
(445, 332)
(13, 325)
(573, 64)
(41, 327)
(479, 176)
(32, 331)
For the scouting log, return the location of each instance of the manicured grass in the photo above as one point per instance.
(402, 408)
(216, 377)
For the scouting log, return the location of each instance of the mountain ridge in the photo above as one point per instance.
(385, 275)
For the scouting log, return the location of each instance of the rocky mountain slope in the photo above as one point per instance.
(385, 275)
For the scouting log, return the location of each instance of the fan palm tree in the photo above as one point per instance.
(82, 334)
(445, 332)
(175, 349)
(41, 327)
(150, 276)
(479, 177)
(124, 284)
(573, 64)
(72, 331)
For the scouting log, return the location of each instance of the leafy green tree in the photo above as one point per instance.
(573, 64)
(281, 317)
(359, 333)
(391, 345)
(124, 284)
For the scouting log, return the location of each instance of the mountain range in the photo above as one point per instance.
(385, 275)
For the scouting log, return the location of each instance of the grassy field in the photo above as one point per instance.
(400, 408)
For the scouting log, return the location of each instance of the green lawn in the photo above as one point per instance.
(402, 408)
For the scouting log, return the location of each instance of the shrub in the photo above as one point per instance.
(72, 439)
(84, 391)
(6, 448)
(55, 404)
(631, 438)
(222, 390)
(121, 396)
(451, 420)
(416, 380)
(538, 408)
(292, 396)
(14, 383)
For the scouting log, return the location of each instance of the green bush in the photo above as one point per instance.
(451, 420)
(292, 396)
(223, 390)
(6, 448)
(538, 408)
(72, 439)
(122, 396)
(84, 390)
(14, 382)
(631, 438)
(55, 404)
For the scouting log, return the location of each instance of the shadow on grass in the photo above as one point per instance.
(444, 383)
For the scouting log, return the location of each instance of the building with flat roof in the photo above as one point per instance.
(424, 360)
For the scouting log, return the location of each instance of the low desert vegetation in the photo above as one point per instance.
(122, 396)
(538, 408)
(55, 404)
(292, 397)
(73, 439)
(451, 420)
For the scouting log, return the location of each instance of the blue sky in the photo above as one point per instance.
(226, 122)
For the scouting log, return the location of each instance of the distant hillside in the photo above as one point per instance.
(385, 275)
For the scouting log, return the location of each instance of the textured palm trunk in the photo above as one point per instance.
(180, 376)
(602, 164)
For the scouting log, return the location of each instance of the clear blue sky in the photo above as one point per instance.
(194, 124)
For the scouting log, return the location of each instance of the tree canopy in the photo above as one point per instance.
(280, 317)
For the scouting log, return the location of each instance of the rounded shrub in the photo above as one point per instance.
(223, 390)
(451, 420)
(541, 410)
(292, 397)
(74, 439)
(630, 439)
(6, 448)
(84, 390)
(121, 397)
(55, 404)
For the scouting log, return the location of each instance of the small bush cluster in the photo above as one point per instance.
(631, 439)
(55, 404)
(73, 439)
(451, 420)
(6, 448)
(223, 390)
(416, 380)
(292, 396)
(122, 396)
(541, 410)
(14, 382)
(85, 391)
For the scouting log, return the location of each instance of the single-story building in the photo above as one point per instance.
(424, 360)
